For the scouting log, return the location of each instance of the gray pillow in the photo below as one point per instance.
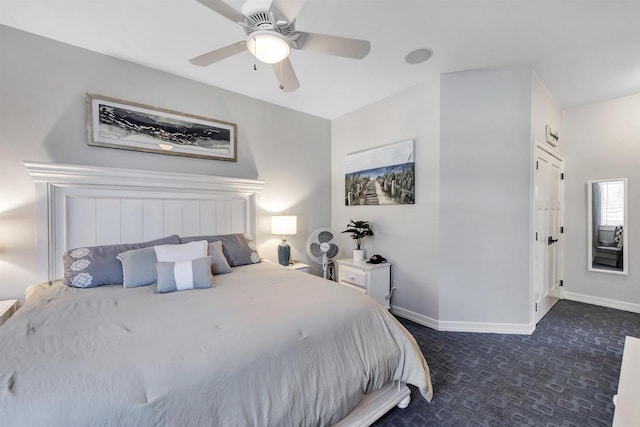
(139, 267)
(219, 264)
(97, 265)
(184, 275)
(239, 249)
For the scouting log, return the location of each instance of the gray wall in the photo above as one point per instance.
(602, 140)
(42, 118)
(407, 235)
(462, 252)
(485, 197)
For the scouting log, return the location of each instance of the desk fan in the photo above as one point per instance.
(321, 247)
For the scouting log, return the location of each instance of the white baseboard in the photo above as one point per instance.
(488, 328)
(603, 302)
(506, 328)
(481, 327)
(420, 319)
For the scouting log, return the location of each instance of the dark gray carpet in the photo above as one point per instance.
(564, 374)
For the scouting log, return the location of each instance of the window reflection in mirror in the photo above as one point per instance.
(607, 243)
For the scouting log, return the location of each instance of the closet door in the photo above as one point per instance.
(547, 254)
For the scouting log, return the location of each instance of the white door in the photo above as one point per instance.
(547, 256)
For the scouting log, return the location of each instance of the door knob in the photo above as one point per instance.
(551, 240)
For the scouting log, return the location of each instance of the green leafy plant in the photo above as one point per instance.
(358, 230)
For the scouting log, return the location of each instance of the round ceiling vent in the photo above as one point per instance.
(418, 56)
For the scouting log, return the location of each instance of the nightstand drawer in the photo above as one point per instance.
(372, 279)
(352, 276)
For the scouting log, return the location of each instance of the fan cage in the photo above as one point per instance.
(314, 238)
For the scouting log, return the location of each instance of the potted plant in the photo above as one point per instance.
(358, 230)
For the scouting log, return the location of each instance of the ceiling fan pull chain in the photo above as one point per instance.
(281, 86)
(255, 49)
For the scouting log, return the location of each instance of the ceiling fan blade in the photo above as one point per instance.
(333, 45)
(218, 54)
(288, 9)
(224, 9)
(286, 76)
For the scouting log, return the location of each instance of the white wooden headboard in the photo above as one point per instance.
(88, 205)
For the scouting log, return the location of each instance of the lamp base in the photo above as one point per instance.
(284, 253)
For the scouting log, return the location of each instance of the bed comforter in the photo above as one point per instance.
(266, 346)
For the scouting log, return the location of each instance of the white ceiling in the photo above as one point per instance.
(583, 50)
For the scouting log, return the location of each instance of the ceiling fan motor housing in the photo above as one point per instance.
(260, 17)
(262, 21)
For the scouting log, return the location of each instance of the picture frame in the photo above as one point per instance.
(383, 175)
(114, 123)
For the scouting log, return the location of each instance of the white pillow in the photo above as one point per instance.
(179, 253)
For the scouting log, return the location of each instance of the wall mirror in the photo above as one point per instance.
(607, 226)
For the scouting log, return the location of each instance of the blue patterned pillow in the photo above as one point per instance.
(93, 266)
(239, 249)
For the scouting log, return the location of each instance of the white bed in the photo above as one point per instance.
(71, 205)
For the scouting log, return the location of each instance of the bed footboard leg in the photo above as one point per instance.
(404, 402)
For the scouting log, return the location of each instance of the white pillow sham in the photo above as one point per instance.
(184, 252)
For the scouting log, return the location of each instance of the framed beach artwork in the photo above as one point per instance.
(125, 125)
(381, 176)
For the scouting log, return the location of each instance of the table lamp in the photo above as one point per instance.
(284, 224)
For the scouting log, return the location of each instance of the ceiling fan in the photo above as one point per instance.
(271, 34)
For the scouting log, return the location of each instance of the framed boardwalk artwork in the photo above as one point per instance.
(126, 125)
(381, 176)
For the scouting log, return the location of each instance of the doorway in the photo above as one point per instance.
(547, 253)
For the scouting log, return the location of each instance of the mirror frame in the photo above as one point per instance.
(625, 234)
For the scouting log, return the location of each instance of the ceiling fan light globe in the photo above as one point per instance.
(268, 46)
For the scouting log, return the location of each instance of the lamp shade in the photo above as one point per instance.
(269, 47)
(284, 224)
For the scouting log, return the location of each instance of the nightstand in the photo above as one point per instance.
(372, 279)
(7, 308)
(297, 265)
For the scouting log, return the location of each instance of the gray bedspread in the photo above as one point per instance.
(266, 346)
